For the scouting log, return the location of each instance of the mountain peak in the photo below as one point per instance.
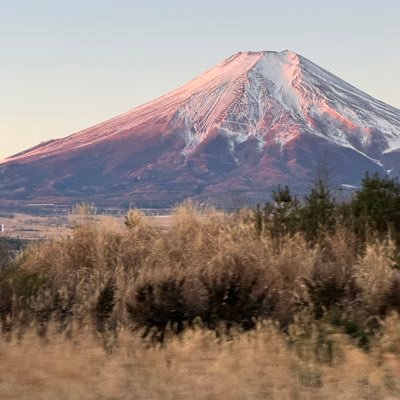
(242, 55)
(260, 115)
(261, 52)
(237, 96)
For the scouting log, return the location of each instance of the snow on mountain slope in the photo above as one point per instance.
(251, 103)
(250, 93)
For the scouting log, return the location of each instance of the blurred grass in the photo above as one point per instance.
(208, 308)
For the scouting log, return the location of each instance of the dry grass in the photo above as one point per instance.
(254, 365)
(148, 313)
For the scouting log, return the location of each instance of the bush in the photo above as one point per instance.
(104, 305)
(157, 305)
(8, 248)
(234, 300)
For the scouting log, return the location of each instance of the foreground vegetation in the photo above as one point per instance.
(290, 301)
(309, 363)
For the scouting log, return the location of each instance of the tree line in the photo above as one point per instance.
(373, 210)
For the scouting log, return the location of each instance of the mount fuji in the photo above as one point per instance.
(256, 120)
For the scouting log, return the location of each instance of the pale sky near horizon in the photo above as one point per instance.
(65, 66)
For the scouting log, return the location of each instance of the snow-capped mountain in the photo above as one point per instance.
(253, 121)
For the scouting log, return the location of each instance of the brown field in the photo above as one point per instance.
(34, 227)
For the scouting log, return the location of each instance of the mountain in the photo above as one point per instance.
(256, 120)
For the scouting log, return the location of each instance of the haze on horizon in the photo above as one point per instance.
(65, 67)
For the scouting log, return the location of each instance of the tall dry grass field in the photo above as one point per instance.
(208, 309)
(258, 364)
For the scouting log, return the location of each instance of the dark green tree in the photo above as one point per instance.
(318, 214)
(375, 207)
(281, 215)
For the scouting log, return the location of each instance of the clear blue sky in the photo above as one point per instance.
(66, 65)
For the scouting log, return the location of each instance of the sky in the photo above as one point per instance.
(67, 65)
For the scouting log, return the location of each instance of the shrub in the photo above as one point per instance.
(391, 299)
(104, 305)
(157, 305)
(232, 299)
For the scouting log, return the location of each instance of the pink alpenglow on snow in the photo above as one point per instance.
(255, 120)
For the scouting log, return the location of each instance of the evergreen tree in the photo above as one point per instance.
(282, 214)
(318, 211)
(375, 207)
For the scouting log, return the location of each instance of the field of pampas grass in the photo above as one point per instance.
(259, 364)
(210, 308)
